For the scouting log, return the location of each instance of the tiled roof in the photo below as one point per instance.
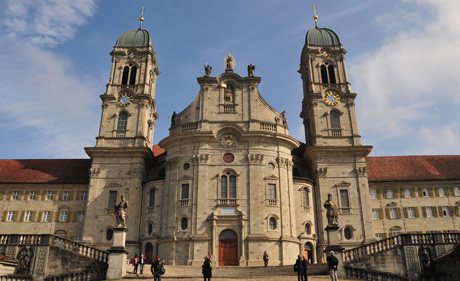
(413, 168)
(157, 150)
(45, 171)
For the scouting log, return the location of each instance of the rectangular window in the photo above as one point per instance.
(446, 211)
(379, 236)
(345, 203)
(185, 191)
(456, 191)
(83, 195)
(77, 239)
(376, 213)
(63, 216)
(411, 212)
(442, 192)
(305, 198)
(373, 193)
(429, 212)
(49, 195)
(426, 192)
(112, 199)
(407, 192)
(81, 217)
(15, 195)
(66, 196)
(390, 193)
(46, 216)
(32, 195)
(28, 216)
(11, 215)
(271, 191)
(393, 213)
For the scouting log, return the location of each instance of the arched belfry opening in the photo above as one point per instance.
(228, 248)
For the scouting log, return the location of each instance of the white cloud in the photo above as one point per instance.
(415, 72)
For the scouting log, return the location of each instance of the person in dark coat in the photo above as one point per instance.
(298, 267)
(305, 267)
(207, 269)
(156, 267)
(332, 262)
(136, 264)
(265, 258)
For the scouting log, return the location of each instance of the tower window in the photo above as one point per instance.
(305, 198)
(272, 223)
(327, 74)
(132, 78)
(184, 223)
(124, 80)
(185, 191)
(129, 75)
(152, 198)
(335, 120)
(345, 203)
(122, 124)
(324, 74)
(331, 74)
(112, 199)
(308, 228)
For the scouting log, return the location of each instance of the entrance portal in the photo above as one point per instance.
(149, 253)
(308, 250)
(228, 248)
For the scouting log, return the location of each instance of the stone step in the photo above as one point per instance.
(237, 272)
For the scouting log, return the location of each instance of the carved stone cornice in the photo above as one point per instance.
(136, 172)
(201, 158)
(94, 172)
(285, 163)
(361, 171)
(321, 171)
(255, 158)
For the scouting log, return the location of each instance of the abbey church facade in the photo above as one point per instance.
(229, 179)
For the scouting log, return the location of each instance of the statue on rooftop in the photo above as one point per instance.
(251, 69)
(207, 70)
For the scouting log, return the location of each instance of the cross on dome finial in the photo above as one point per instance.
(315, 17)
(141, 19)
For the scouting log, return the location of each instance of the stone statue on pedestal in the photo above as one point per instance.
(207, 70)
(332, 213)
(121, 212)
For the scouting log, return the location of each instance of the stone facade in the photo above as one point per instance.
(228, 180)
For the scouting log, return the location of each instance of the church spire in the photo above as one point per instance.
(141, 19)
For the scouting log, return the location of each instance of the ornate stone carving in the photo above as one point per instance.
(332, 213)
(201, 158)
(228, 142)
(171, 164)
(136, 172)
(361, 171)
(121, 212)
(321, 171)
(25, 258)
(256, 158)
(41, 259)
(94, 172)
(285, 163)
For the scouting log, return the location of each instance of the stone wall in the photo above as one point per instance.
(62, 261)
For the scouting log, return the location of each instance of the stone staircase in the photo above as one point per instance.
(236, 272)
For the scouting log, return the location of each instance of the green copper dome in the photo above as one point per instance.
(322, 37)
(134, 38)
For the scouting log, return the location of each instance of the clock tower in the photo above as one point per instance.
(124, 144)
(334, 147)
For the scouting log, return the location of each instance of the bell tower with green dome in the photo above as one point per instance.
(333, 144)
(123, 147)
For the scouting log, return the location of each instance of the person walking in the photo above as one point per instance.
(305, 267)
(265, 258)
(136, 264)
(332, 262)
(157, 268)
(141, 263)
(298, 267)
(206, 269)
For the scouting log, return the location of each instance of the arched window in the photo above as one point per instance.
(324, 75)
(152, 197)
(122, 121)
(305, 197)
(132, 77)
(150, 228)
(308, 228)
(335, 120)
(272, 223)
(184, 223)
(109, 234)
(228, 186)
(124, 80)
(331, 74)
(347, 233)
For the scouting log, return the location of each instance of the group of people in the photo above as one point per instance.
(301, 266)
(136, 261)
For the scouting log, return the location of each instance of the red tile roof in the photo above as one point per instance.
(45, 171)
(157, 150)
(413, 168)
(8, 259)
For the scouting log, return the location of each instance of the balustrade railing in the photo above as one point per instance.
(363, 252)
(335, 132)
(369, 274)
(271, 202)
(227, 202)
(267, 127)
(190, 127)
(228, 108)
(183, 202)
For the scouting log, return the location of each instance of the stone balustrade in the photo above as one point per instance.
(89, 275)
(368, 274)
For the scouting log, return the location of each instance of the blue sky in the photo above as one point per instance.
(402, 62)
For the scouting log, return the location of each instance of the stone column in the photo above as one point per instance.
(118, 254)
(333, 245)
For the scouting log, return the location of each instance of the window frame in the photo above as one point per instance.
(81, 216)
(446, 211)
(390, 193)
(46, 216)
(32, 195)
(443, 193)
(430, 208)
(411, 212)
(272, 194)
(407, 192)
(456, 190)
(373, 193)
(66, 196)
(28, 216)
(11, 216)
(272, 223)
(63, 216)
(83, 195)
(393, 213)
(347, 192)
(426, 192)
(376, 214)
(15, 195)
(49, 195)
(182, 193)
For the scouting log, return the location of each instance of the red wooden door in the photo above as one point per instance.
(228, 252)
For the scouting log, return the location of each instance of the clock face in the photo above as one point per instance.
(331, 98)
(125, 99)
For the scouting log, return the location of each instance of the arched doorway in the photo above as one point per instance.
(228, 248)
(148, 253)
(308, 252)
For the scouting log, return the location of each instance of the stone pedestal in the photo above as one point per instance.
(333, 245)
(118, 254)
